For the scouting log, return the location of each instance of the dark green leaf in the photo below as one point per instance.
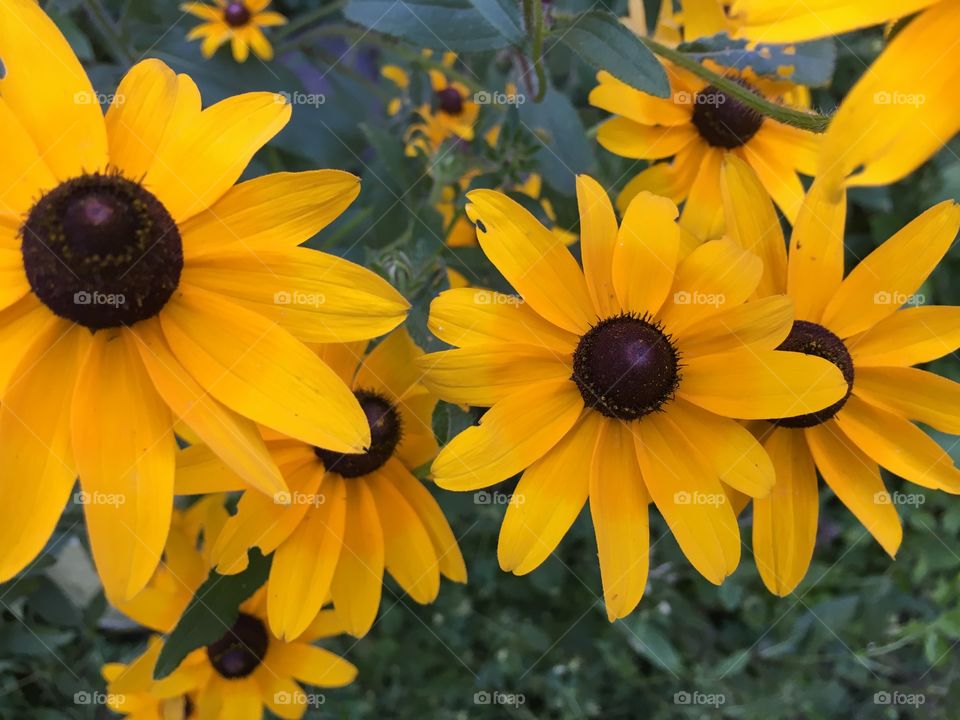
(459, 25)
(212, 610)
(601, 40)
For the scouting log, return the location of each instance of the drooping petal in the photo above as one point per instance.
(916, 394)
(618, 98)
(629, 139)
(762, 324)
(311, 664)
(908, 337)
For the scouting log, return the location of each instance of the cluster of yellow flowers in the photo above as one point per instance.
(695, 360)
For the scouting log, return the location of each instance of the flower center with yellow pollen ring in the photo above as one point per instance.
(626, 367)
(813, 339)
(101, 251)
(386, 429)
(241, 649)
(722, 120)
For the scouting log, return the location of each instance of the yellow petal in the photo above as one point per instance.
(409, 554)
(891, 274)
(618, 506)
(689, 496)
(48, 90)
(229, 435)
(124, 448)
(618, 98)
(201, 471)
(511, 436)
(753, 223)
(272, 212)
(629, 139)
(598, 239)
(260, 371)
(671, 179)
(762, 324)
(908, 337)
(815, 265)
(758, 385)
(20, 324)
(778, 177)
(785, 522)
(304, 564)
(357, 581)
(548, 498)
(487, 374)
(197, 165)
(311, 665)
(898, 445)
(727, 446)
(35, 445)
(856, 481)
(316, 296)
(913, 393)
(645, 256)
(466, 316)
(391, 367)
(703, 211)
(777, 21)
(24, 173)
(532, 259)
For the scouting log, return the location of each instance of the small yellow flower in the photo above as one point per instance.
(858, 325)
(451, 113)
(238, 21)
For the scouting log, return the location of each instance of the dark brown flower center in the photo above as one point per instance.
(241, 649)
(450, 101)
(813, 339)
(626, 367)
(101, 251)
(236, 14)
(385, 433)
(722, 120)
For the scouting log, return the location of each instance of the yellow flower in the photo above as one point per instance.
(238, 21)
(345, 517)
(237, 675)
(616, 383)
(450, 114)
(698, 126)
(142, 288)
(695, 19)
(857, 323)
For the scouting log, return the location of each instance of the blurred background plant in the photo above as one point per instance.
(862, 637)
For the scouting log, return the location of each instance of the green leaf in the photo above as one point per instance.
(601, 40)
(563, 149)
(213, 609)
(459, 25)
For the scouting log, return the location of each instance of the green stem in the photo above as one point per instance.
(109, 32)
(309, 18)
(533, 19)
(798, 118)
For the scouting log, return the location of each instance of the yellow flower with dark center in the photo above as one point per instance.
(451, 113)
(236, 21)
(616, 383)
(698, 126)
(857, 324)
(142, 288)
(346, 517)
(237, 675)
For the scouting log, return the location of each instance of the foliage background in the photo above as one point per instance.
(858, 625)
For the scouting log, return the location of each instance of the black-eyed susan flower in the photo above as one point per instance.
(686, 137)
(142, 288)
(238, 674)
(346, 517)
(451, 113)
(616, 384)
(858, 324)
(238, 22)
